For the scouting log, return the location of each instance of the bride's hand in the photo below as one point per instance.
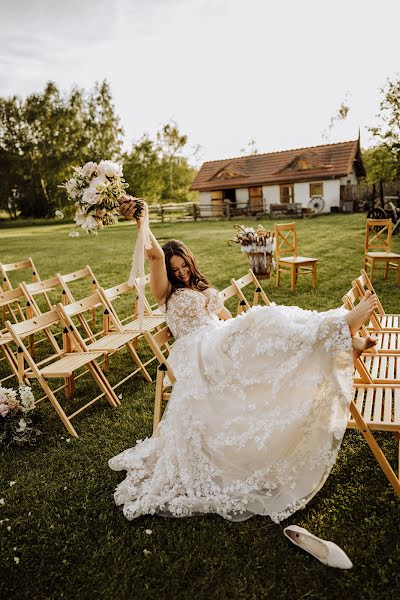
(128, 206)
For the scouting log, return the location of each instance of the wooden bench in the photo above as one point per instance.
(288, 209)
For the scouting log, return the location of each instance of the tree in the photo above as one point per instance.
(142, 170)
(380, 164)
(159, 169)
(43, 136)
(388, 129)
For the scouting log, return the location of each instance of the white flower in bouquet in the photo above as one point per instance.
(109, 168)
(88, 169)
(82, 219)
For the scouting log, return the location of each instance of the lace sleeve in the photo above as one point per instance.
(215, 303)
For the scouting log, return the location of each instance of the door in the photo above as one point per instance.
(217, 204)
(256, 204)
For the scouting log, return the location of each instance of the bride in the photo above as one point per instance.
(259, 407)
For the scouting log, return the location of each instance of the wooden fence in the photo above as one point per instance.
(362, 194)
(193, 211)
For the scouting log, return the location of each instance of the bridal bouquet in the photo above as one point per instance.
(95, 190)
(17, 421)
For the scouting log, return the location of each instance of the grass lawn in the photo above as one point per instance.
(60, 520)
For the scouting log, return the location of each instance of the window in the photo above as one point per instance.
(317, 189)
(287, 194)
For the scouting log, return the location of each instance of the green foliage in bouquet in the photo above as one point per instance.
(18, 419)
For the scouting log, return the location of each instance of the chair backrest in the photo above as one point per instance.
(232, 292)
(43, 288)
(141, 283)
(17, 266)
(251, 279)
(77, 276)
(15, 304)
(158, 342)
(378, 235)
(77, 309)
(363, 284)
(34, 325)
(31, 327)
(286, 240)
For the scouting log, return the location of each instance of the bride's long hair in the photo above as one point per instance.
(197, 280)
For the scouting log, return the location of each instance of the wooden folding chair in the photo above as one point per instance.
(14, 304)
(388, 341)
(127, 296)
(287, 258)
(60, 365)
(43, 295)
(23, 265)
(109, 342)
(258, 292)
(86, 282)
(159, 343)
(5, 270)
(376, 402)
(380, 320)
(377, 247)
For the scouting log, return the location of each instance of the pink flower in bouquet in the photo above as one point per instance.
(4, 410)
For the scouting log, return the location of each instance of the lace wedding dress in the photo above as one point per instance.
(256, 416)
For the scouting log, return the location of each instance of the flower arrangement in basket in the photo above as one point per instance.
(259, 246)
(17, 419)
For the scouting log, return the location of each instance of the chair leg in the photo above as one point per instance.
(57, 407)
(372, 270)
(104, 384)
(293, 277)
(158, 398)
(278, 275)
(138, 362)
(375, 448)
(314, 276)
(386, 270)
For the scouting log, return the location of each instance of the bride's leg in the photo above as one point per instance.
(360, 313)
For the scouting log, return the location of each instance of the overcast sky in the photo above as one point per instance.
(227, 71)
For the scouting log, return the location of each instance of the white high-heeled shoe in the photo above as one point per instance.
(325, 551)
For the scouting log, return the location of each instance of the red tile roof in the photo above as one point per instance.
(288, 166)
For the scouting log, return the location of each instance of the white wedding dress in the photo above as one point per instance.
(256, 416)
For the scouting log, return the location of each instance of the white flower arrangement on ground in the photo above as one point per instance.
(259, 246)
(17, 421)
(95, 190)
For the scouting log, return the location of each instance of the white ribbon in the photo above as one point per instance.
(137, 269)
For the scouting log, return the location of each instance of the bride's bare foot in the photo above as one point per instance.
(360, 313)
(361, 344)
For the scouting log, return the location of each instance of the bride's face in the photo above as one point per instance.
(180, 269)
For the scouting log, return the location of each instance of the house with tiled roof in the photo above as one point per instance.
(304, 177)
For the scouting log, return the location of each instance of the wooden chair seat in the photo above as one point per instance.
(111, 341)
(65, 366)
(383, 368)
(379, 406)
(149, 323)
(297, 260)
(383, 255)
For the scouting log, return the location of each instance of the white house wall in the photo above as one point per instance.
(271, 195)
(205, 201)
(242, 197)
(350, 178)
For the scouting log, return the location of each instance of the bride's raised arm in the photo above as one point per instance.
(160, 285)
